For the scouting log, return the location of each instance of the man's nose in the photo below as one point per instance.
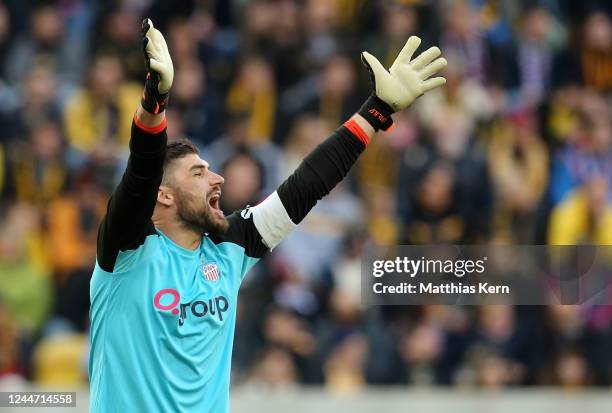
(217, 179)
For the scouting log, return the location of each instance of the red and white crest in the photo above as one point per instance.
(211, 272)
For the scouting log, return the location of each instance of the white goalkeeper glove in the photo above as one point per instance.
(398, 87)
(160, 72)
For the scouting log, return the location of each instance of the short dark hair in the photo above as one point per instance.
(179, 148)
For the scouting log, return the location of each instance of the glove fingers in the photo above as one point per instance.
(375, 66)
(154, 41)
(433, 83)
(408, 50)
(146, 25)
(157, 38)
(156, 65)
(425, 58)
(150, 33)
(166, 52)
(166, 74)
(144, 51)
(433, 67)
(152, 48)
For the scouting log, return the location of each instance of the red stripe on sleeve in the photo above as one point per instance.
(151, 129)
(356, 130)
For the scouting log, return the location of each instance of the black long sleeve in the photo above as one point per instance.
(319, 173)
(128, 217)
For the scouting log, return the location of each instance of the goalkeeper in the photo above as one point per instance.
(169, 263)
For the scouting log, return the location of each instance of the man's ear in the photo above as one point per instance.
(165, 196)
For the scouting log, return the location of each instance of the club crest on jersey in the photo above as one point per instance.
(210, 272)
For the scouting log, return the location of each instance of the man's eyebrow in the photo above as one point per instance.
(199, 166)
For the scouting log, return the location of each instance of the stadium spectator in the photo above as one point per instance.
(518, 161)
(26, 283)
(37, 167)
(246, 176)
(96, 115)
(43, 44)
(253, 92)
(197, 103)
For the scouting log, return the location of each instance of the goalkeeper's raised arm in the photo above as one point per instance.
(393, 90)
(128, 216)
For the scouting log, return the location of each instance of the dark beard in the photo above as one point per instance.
(202, 220)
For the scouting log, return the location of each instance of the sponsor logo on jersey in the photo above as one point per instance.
(212, 307)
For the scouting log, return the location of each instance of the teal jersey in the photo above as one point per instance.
(162, 327)
(163, 317)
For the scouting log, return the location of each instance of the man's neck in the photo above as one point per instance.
(180, 235)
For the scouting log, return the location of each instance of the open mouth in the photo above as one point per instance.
(213, 201)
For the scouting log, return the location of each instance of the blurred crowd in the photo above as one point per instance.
(516, 148)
